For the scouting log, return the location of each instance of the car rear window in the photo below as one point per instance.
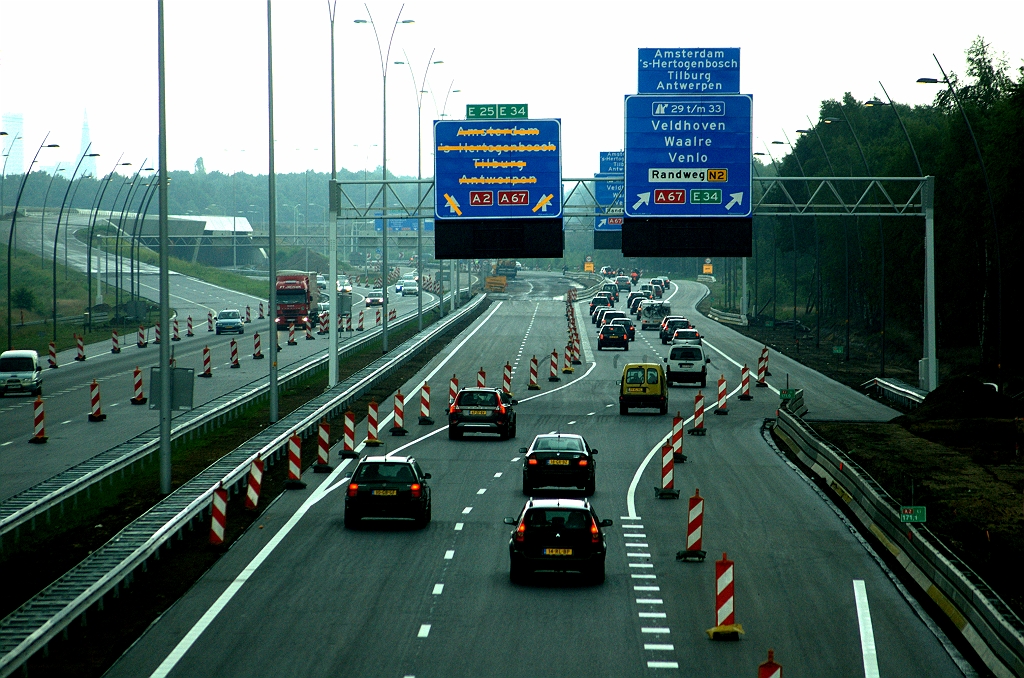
(16, 365)
(567, 519)
(385, 472)
(685, 353)
(686, 334)
(652, 375)
(228, 315)
(559, 444)
(478, 399)
(635, 375)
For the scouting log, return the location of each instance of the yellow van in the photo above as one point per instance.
(643, 385)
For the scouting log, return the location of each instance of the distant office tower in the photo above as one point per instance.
(14, 125)
(88, 164)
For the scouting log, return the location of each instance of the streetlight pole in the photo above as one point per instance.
(165, 293)
(332, 237)
(89, 233)
(56, 232)
(384, 166)
(419, 175)
(10, 235)
(3, 172)
(272, 245)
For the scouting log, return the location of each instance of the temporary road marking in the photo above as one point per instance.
(572, 422)
(646, 588)
(649, 601)
(424, 631)
(458, 527)
(638, 555)
(662, 665)
(498, 474)
(448, 555)
(590, 414)
(633, 526)
(654, 629)
(867, 635)
(438, 588)
(652, 615)
(628, 517)
(66, 422)
(659, 646)
(7, 443)
(481, 490)
(641, 565)
(644, 576)
(610, 405)
(467, 510)
(636, 546)
(635, 535)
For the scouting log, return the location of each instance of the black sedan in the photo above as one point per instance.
(388, 487)
(558, 460)
(482, 410)
(628, 325)
(560, 535)
(612, 335)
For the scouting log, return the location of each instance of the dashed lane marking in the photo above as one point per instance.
(498, 474)
(467, 510)
(458, 527)
(449, 554)
(424, 631)
(481, 490)
(667, 647)
(438, 588)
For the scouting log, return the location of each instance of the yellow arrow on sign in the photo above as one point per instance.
(544, 201)
(453, 204)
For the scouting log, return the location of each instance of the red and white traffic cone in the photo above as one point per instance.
(694, 530)
(95, 413)
(257, 352)
(769, 669)
(115, 342)
(294, 481)
(554, 367)
(261, 316)
(291, 335)
(309, 335)
(725, 627)
(762, 369)
(506, 379)
(377, 322)
(219, 515)
(698, 416)
(252, 493)
(723, 396)
(453, 389)
(141, 342)
(248, 314)
(567, 363)
(156, 332)
(371, 426)
(53, 356)
(175, 336)
(425, 419)
(188, 327)
(80, 342)
(667, 489)
(323, 449)
(209, 321)
(399, 426)
(481, 378)
(745, 384)
(139, 399)
(234, 354)
(324, 326)
(359, 327)
(534, 386)
(677, 439)
(348, 438)
(39, 423)
(207, 372)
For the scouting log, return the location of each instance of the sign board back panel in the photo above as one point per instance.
(497, 170)
(692, 70)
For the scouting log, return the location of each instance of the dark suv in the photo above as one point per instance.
(482, 410)
(388, 487)
(668, 329)
(558, 460)
(598, 302)
(557, 534)
(612, 335)
(612, 289)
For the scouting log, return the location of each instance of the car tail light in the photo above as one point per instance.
(416, 490)
(583, 462)
(531, 461)
(521, 532)
(455, 409)
(353, 489)
(501, 406)
(595, 534)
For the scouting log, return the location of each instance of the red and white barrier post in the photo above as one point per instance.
(567, 363)
(294, 481)
(506, 379)
(694, 530)
(252, 493)
(219, 515)
(175, 336)
(95, 413)
(234, 354)
(257, 352)
(115, 342)
(138, 399)
(677, 439)
(348, 323)
(209, 321)
(425, 419)
(142, 343)
(576, 346)
(762, 369)
(359, 327)
(248, 314)
(261, 316)
(291, 335)
(323, 449)
(399, 425)
(377, 316)
(481, 378)
(725, 627)
(156, 333)
(698, 416)
(723, 396)
(206, 364)
(80, 342)
(554, 367)
(323, 326)
(53, 356)
(309, 335)
(453, 389)
(667, 489)
(348, 438)
(371, 426)
(745, 384)
(38, 423)
(188, 327)
(534, 386)
(769, 669)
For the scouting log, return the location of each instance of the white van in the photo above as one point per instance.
(20, 372)
(687, 364)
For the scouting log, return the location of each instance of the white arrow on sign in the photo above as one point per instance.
(737, 199)
(645, 199)
(602, 222)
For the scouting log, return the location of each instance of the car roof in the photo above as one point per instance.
(19, 353)
(380, 458)
(480, 389)
(558, 503)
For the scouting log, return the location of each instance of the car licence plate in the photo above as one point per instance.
(385, 493)
(558, 462)
(478, 412)
(634, 390)
(558, 552)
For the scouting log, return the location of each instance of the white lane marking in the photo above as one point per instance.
(424, 631)
(571, 383)
(652, 615)
(66, 422)
(636, 546)
(867, 635)
(659, 646)
(448, 555)
(719, 351)
(467, 510)
(572, 422)
(662, 665)
(458, 527)
(438, 588)
(633, 526)
(649, 601)
(635, 535)
(590, 414)
(644, 576)
(336, 485)
(638, 555)
(641, 565)
(172, 659)
(628, 517)
(498, 474)
(481, 490)
(610, 405)
(646, 588)
(654, 629)
(516, 458)
(7, 443)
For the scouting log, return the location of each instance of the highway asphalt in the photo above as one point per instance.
(306, 596)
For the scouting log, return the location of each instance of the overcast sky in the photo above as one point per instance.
(568, 60)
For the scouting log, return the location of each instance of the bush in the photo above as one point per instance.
(23, 298)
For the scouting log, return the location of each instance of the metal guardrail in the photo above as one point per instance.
(29, 628)
(897, 391)
(51, 494)
(993, 629)
(727, 318)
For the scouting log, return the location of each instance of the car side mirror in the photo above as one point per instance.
(707, 360)
(426, 476)
(607, 522)
(515, 402)
(522, 450)
(593, 450)
(511, 521)
(665, 360)
(39, 368)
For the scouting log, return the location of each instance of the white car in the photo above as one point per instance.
(20, 372)
(344, 284)
(686, 336)
(410, 288)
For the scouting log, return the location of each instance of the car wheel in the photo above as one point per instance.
(589, 488)
(38, 392)
(512, 430)
(218, 332)
(623, 409)
(424, 519)
(599, 347)
(664, 409)
(453, 434)
(351, 520)
(626, 346)
(241, 331)
(596, 573)
(517, 571)
(703, 383)
(527, 487)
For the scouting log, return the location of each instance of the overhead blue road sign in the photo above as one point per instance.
(608, 194)
(693, 70)
(497, 169)
(611, 162)
(399, 224)
(688, 155)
